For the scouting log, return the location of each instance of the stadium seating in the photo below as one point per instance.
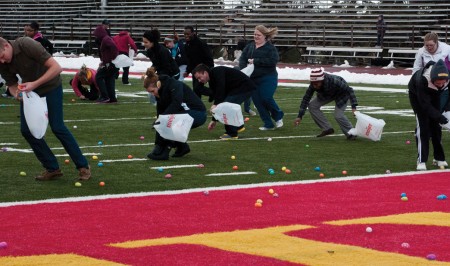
(301, 24)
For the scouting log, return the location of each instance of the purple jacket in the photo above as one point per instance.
(108, 49)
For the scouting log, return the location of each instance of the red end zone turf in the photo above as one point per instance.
(308, 224)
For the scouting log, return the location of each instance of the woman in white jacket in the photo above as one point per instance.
(432, 50)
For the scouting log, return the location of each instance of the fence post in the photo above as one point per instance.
(90, 38)
(71, 30)
(351, 40)
(220, 36)
(446, 33)
(323, 36)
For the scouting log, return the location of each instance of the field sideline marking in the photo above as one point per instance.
(195, 190)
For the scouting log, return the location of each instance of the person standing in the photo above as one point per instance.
(161, 58)
(85, 77)
(40, 73)
(381, 30)
(107, 71)
(226, 85)
(197, 52)
(432, 50)
(328, 88)
(124, 43)
(176, 48)
(264, 56)
(428, 100)
(32, 31)
(174, 97)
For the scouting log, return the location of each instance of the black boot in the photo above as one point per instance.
(182, 149)
(164, 155)
(156, 150)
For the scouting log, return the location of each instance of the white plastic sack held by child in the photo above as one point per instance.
(122, 61)
(36, 113)
(367, 127)
(229, 114)
(174, 127)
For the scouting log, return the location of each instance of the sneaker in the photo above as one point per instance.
(279, 123)
(440, 163)
(421, 167)
(242, 129)
(326, 132)
(84, 174)
(127, 84)
(228, 137)
(251, 113)
(49, 175)
(102, 100)
(266, 128)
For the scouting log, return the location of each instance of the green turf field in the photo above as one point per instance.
(120, 126)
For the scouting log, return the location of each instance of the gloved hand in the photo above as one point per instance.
(443, 120)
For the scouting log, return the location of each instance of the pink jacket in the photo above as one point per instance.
(124, 42)
(90, 81)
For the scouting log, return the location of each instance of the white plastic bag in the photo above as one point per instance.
(122, 61)
(36, 113)
(229, 114)
(174, 127)
(248, 70)
(446, 126)
(367, 127)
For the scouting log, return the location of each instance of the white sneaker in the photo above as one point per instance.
(440, 163)
(251, 113)
(279, 123)
(421, 167)
(266, 128)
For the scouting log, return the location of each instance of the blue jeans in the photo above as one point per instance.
(56, 122)
(237, 99)
(247, 104)
(264, 101)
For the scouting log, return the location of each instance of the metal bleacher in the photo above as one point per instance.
(301, 24)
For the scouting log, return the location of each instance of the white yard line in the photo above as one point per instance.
(232, 173)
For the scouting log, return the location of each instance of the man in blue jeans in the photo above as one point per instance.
(225, 85)
(40, 73)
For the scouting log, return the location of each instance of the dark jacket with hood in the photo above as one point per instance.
(108, 49)
(162, 60)
(175, 97)
(425, 97)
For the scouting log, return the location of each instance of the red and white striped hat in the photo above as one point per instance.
(317, 74)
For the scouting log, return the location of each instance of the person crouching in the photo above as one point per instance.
(173, 97)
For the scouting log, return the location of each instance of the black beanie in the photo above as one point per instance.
(152, 35)
(439, 71)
